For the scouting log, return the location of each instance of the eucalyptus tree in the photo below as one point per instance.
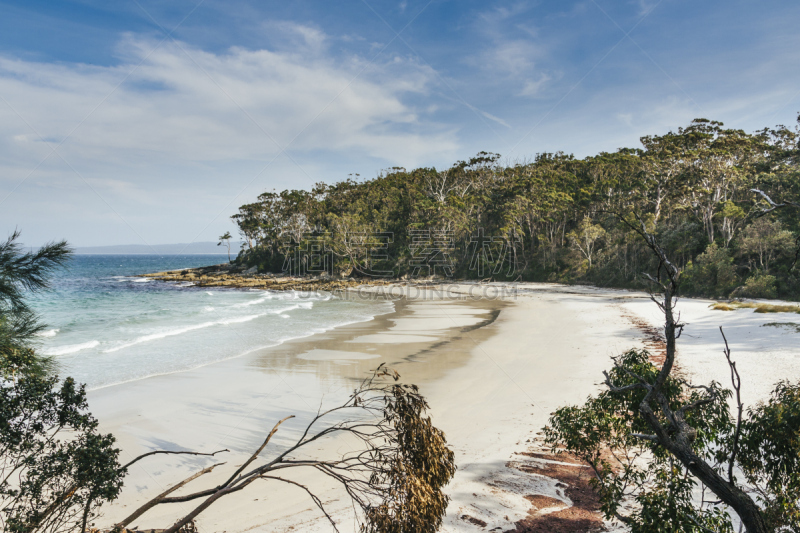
(393, 474)
(226, 240)
(693, 185)
(652, 437)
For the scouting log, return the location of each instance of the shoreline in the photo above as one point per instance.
(455, 350)
(492, 371)
(158, 412)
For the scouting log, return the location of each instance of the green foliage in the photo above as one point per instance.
(20, 273)
(641, 483)
(225, 239)
(17, 333)
(770, 455)
(765, 240)
(30, 271)
(759, 285)
(638, 481)
(57, 469)
(558, 216)
(585, 238)
(712, 273)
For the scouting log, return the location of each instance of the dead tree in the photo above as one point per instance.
(394, 477)
(676, 435)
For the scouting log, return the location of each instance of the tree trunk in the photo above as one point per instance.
(736, 498)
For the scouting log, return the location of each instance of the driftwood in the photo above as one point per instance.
(379, 477)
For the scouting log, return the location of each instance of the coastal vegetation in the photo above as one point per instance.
(653, 438)
(56, 468)
(555, 218)
(701, 211)
(225, 239)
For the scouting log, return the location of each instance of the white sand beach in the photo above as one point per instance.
(492, 370)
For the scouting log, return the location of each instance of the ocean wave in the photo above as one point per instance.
(181, 331)
(70, 348)
(239, 320)
(48, 333)
(179, 370)
(292, 296)
(301, 305)
(253, 302)
(303, 331)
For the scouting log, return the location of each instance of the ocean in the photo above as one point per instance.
(105, 326)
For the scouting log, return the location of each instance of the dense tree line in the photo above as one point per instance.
(555, 218)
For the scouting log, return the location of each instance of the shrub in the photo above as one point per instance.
(759, 285)
(711, 274)
(52, 484)
(770, 455)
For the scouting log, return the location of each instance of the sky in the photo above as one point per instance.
(151, 122)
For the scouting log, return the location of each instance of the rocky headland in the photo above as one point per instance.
(234, 276)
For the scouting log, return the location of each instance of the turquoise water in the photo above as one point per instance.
(106, 326)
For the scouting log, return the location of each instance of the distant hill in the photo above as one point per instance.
(162, 249)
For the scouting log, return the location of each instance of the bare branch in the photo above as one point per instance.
(313, 496)
(167, 452)
(736, 380)
(257, 452)
(368, 474)
(155, 501)
(641, 384)
(773, 205)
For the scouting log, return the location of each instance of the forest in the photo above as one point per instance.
(702, 190)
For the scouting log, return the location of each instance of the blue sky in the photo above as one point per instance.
(150, 122)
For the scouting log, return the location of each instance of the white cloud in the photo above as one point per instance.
(513, 57)
(164, 146)
(512, 50)
(296, 37)
(533, 87)
(178, 104)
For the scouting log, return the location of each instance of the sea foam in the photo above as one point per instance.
(181, 331)
(70, 348)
